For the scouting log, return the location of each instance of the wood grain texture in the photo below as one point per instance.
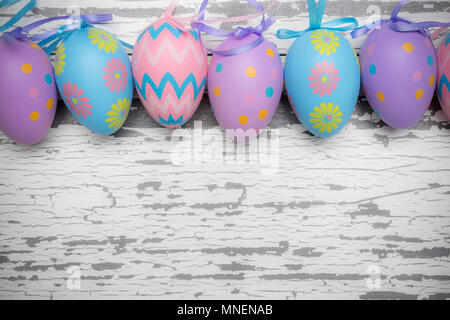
(309, 219)
(139, 226)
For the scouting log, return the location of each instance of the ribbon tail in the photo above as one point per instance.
(256, 4)
(398, 7)
(411, 26)
(19, 15)
(171, 8)
(316, 13)
(289, 34)
(96, 18)
(238, 50)
(201, 26)
(269, 22)
(49, 50)
(343, 24)
(48, 39)
(211, 30)
(360, 31)
(419, 26)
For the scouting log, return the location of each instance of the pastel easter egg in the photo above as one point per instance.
(443, 75)
(245, 89)
(27, 91)
(398, 75)
(93, 74)
(169, 70)
(322, 81)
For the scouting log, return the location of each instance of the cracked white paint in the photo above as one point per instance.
(139, 227)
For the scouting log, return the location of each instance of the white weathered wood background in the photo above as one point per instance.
(136, 225)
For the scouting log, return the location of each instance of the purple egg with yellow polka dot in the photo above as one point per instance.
(398, 75)
(27, 91)
(245, 89)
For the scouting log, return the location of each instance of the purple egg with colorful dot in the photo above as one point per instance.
(27, 91)
(245, 89)
(398, 75)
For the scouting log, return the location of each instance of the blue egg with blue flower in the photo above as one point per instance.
(322, 77)
(94, 78)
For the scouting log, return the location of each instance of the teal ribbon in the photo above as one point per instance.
(316, 12)
(54, 37)
(61, 34)
(49, 40)
(406, 26)
(19, 15)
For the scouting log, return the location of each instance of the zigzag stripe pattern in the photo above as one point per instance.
(165, 26)
(443, 82)
(167, 46)
(168, 78)
(171, 105)
(172, 112)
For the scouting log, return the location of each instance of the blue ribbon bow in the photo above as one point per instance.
(315, 22)
(404, 26)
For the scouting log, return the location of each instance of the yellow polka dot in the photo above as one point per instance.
(34, 116)
(34, 45)
(380, 96)
(408, 47)
(419, 94)
(270, 53)
(217, 91)
(243, 119)
(26, 68)
(262, 114)
(431, 80)
(251, 72)
(49, 104)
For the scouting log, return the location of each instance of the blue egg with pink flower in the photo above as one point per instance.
(94, 78)
(322, 77)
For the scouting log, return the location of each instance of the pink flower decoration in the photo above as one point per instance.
(324, 78)
(115, 75)
(76, 101)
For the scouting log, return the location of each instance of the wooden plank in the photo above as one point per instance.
(130, 17)
(139, 226)
(300, 217)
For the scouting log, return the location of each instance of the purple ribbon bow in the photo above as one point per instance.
(404, 25)
(23, 32)
(239, 32)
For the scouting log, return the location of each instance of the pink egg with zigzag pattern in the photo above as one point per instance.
(169, 70)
